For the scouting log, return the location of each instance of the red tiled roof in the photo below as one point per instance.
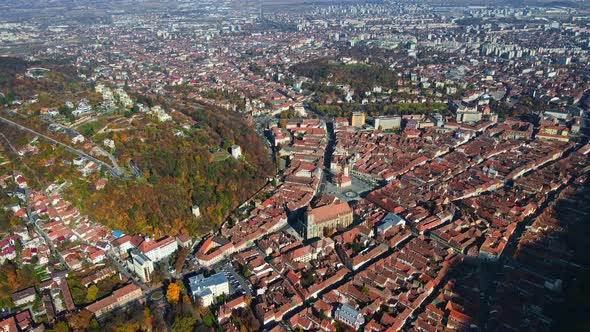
(328, 212)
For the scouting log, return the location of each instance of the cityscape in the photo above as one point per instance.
(288, 165)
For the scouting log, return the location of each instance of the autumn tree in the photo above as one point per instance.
(80, 320)
(186, 303)
(128, 326)
(173, 293)
(60, 327)
(329, 231)
(180, 258)
(9, 220)
(13, 279)
(147, 317)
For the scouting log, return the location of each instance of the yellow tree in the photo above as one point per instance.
(92, 293)
(173, 293)
(147, 318)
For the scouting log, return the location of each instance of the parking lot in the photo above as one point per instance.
(237, 283)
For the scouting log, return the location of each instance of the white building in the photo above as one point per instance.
(158, 250)
(300, 110)
(196, 211)
(124, 98)
(387, 122)
(207, 289)
(349, 316)
(466, 113)
(109, 143)
(83, 108)
(140, 264)
(390, 220)
(78, 139)
(159, 113)
(236, 151)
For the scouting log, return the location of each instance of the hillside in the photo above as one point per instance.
(181, 171)
(179, 161)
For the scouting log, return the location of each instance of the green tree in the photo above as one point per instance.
(60, 327)
(309, 278)
(92, 293)
(94, 325)
(78, 291)
(183, 323)
(209, 319)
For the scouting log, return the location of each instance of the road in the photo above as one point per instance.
(115, 171)
(136, 171)
(9, 144)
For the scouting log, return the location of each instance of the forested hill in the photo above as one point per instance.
(183, 162)
(179, 172)
(361, 77)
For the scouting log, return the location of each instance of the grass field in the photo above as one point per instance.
(90, 128)
(220, 155)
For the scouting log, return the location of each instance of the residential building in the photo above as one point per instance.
(117, 299)
(160, 249)
(24, 296)
(225, 311)
(122, 244)
(557, 133)
(96, 256)
(184, 240)
(390, 220)
(213, 250)
(8, 325)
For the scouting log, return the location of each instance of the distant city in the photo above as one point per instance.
(274, 165)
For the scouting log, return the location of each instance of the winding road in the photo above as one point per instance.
(113, 170)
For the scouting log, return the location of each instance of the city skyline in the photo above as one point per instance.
(274, 165)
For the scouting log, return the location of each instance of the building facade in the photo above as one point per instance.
(236, 151)
(158, 250)
(387, 122)
(358, 119)
(118, 298)
(140, 264)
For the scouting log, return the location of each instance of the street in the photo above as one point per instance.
(114, 170)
